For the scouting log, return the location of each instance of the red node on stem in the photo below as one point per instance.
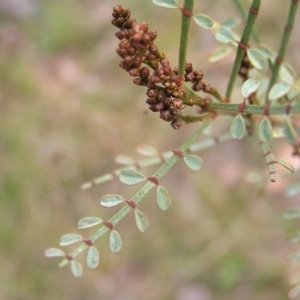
(109, 225)
(242, 106)
(153, 180)
(243, 46)
(178, 153)
(279, 60)
(186, 12)
(288, 28)
(131, 203)
(288, 108)
(88, 242)
(69, 257)
(253, 11)
(266, 108)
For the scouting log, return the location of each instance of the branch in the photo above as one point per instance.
(253, 12)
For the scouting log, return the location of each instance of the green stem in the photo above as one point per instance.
(163, 170)
(284, 41)
(242, 46)
(187, 12)
(242, 12)
(254, 109)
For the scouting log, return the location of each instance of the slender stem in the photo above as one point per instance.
(187, 12)
(163, 170)
(254, 109)
(242, 12)
(242, 46)
(284, 41)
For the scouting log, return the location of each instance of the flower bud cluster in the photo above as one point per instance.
(165, 86)
(196, 78)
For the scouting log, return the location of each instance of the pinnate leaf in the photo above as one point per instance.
(88, 222)
(69, 239)
(237, 128)
(166, 3)
(265, 130)
(92, 257)
(131, 177)
(289, 132)
(224, 35)
(76, 268)
(115, 241)
(249, 86)
(292, 213)
(111, 200)
(54, 252)
(219, 54)
(163, 198)
(278, 90)
(141, 221)
(203, 21)
(257, 59)
(194, 162)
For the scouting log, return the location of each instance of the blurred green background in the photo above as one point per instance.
(67, 109)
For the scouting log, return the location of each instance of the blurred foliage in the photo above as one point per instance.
(66, 110)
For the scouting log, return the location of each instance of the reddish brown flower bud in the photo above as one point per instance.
(198, 75)
(122, 52)
(166, 115)
(153, 35)
(134, 72)
(188, 67)
(155, 79)
(144, 73)
(144, 27)
(153, 49)
(151, 101)
(124, 66)
(138, 81)
(131, 51)
(189, 76)
(152, 93)
(128, 60)
(178, 104)
(160, 96)
(176, 124)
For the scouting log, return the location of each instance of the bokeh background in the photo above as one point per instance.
(67, 109)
